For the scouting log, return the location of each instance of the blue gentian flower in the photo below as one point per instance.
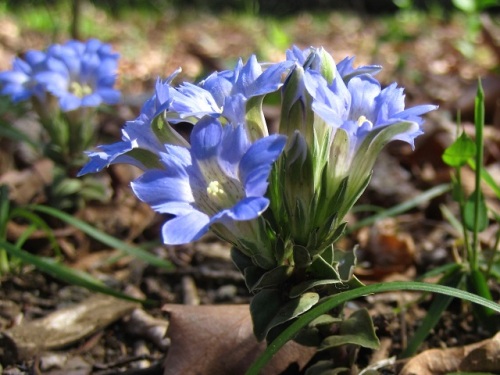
(222, 95)
(319, 60)
(337, 118)
(20, 83)
(221, 179)
(80, 74)
(138, 136)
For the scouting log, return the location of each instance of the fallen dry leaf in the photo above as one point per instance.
(388, 249)
(218, 340)
(483, 356)
(27, 186)
(62, 327)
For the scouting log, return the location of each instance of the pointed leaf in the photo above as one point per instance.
(322, 269)
(460, 151)
(346, 261)
(358, 329)
(269, 309)
(293, 308)
(272, 278)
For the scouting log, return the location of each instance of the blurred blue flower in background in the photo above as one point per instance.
(80, 74)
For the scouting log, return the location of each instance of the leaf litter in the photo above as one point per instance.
(424, 58)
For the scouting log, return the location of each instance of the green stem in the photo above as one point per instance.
(331, 302)
(461, 203)
(479, 124)
(494, 252)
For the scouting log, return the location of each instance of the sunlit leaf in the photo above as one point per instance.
(460, 151)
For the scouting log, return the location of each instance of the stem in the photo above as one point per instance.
(494, 252)
(479, 124)
(461, 203)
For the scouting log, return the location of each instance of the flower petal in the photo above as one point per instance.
(157, 188)
(186, 228)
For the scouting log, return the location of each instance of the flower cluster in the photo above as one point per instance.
(268, 195)
(65, 84)
(78, 74)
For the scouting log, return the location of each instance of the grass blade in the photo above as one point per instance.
(64, 273)
(106, 238)
(436, 309)
(403, 207)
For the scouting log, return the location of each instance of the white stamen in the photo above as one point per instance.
(362, 119)
(215, 190)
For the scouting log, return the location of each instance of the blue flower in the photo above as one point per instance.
(319, 60)
(226, 93)
(362, 118)
(362, 106)
(138, 136)
(217, 182)
(80, 74)
(222, 95)
(20, 83)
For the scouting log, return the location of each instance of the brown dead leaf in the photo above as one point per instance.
(27, 186)
(388, 249)
(483, 356)
(62, 327)
(218, 340)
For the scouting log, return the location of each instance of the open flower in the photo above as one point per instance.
(221, 179)
(141, 144)
(338, 119)
(363, 118)
(80, 74)
(221, 92)
(223, 95)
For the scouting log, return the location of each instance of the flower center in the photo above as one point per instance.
(362, 119)
(215, 190)
(80, 90)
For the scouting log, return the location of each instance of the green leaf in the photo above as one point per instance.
(8, 131)
(467, 6)
(66, 274)
(358, 329)
(460, 151)
(320, 268)
(477, 284)
(403, 207)
(301, 256)
(304, 286)
(269, 309)
(271, 278)
(346, 261)
(263, 307)
(105, 238)
(329, 303)
(453, 279)
(486, 176)
(472, 206)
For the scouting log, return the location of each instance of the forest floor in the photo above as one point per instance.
(437, 58)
